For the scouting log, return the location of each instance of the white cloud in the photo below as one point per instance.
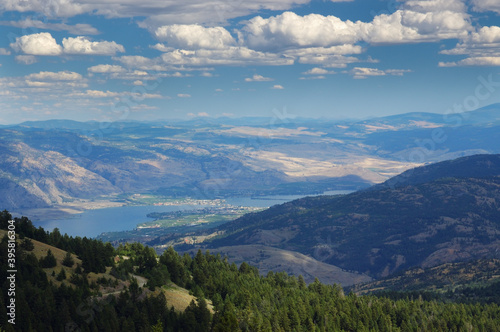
(46, 83)
(482, 48)
(55, 76)
(486, 35)
(106, 69)
(230, 56)
(474, 61)
(332, 50)
(194, 36)
(138, 83)
(258, 78)
(206, 74)
(52, 8)
(435, 5)
(176, 74)
(363, 72)
(486, 5)
(183, 95)
(157, 13)
(277, 87)
(4, 51)
(101, 94)
(320, 77)
(162, 47)
(397, 72)
(219, 90)
(44, 44)
(77, 29)
(142, 63)
(82, 45)
(26, 59)
(289, 30)
(329, 61)
(37, 44)
(406, 26)
(37, 84)
(318, 71)
(113, 94)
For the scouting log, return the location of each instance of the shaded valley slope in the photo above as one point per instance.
(428, 219)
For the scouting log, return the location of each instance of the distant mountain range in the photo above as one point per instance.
(63, 163)
(440, 213)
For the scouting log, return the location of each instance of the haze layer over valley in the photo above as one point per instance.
(71, 166)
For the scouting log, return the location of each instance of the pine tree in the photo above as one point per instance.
(49, 260)
(61, 275)
(68, 260)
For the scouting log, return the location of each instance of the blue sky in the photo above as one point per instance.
(150, 59)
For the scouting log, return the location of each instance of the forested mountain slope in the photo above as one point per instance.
(242, 299)
(380, 231)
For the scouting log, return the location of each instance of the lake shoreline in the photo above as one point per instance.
(95, 218)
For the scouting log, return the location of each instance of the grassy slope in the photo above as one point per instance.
(177, 297)
(439, 278)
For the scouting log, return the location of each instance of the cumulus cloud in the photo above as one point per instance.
(328, 40)
(332, 50)
(289, 30)
(37, 44)
(4, 51)
(330, 61)
(482, 48)
(44, 44)
(486, 5)
(183, 95)
(474, 61)
(277, 87)
(142, 63)
(485, 35)
(106, 69)
(434, 5)
(230, 56)
(54, 80)
(101, 94)
(258, 78)
(363, 72)
(194, 36)
(82, 45)
(55, 76)
(407, 26)
(318, 71)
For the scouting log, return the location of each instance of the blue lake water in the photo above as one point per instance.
(91, 223)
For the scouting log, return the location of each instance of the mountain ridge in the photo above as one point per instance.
(379, 232)
(223, 158)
